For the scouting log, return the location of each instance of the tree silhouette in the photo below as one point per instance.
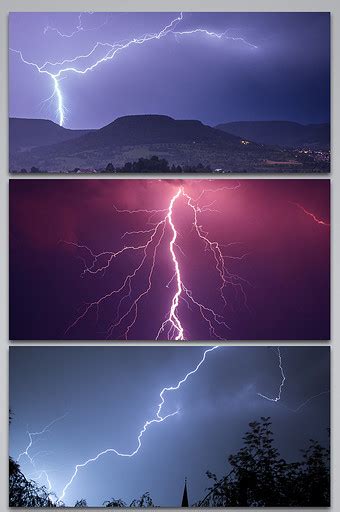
(26, 493)
(143, 502)
(113, 503)
(80, 504)
(259, 477)
(109, 168)
(315, 475)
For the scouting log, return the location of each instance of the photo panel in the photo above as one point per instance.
(218, 426)
(169, 259)
(158, 92)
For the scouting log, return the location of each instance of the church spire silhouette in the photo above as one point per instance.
(185, 501)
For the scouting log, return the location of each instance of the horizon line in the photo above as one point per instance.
(174, 119)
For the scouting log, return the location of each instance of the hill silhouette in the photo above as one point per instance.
(25, 134)
(151, 129)
(281, 133)
(185, 143)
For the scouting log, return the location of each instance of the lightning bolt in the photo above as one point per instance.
(74, 65)
(281, 386)
(26, 453)
(312, 215)
(79, 28)
(221, 35)
(43, 474)
(158, 418)
(283, 378)
(172, 327)
(310, 399)
(32, 435)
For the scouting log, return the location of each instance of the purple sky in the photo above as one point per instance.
(277, 251)
(185, 76)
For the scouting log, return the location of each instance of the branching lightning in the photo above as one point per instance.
(306, 402)
(32, 435)
(312, 215)
(146, 246)
(283, 378)
(277, 398)
(85, 63)
(158, 418)
(41, 473)
(79, 28)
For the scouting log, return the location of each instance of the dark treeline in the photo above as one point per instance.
(257, 477)
(155, 164)
(142, 165)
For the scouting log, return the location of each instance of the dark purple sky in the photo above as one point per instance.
(280, 253)
(109, 392)
(287, 75)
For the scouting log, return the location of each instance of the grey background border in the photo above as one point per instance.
(174, 5)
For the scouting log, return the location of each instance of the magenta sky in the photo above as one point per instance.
(276, 255)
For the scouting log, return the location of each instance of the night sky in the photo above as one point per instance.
(286, 76)
(274, 234)
(109, 392)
